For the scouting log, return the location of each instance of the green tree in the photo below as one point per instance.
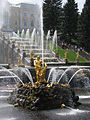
(85, 26)
(79, 30)
(52, 13)
(71, 18)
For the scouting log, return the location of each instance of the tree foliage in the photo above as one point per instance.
(52, 13)
(71, 18)
(84, 26)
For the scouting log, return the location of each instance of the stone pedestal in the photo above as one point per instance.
(66, 61)
(77, 61)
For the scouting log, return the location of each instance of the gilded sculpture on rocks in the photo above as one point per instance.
(40, 70)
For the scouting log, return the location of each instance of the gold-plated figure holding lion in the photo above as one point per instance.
(40, 71)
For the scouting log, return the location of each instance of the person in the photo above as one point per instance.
(75, 48)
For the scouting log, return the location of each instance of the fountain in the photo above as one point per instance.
(69, 68)
(28, 34)
(81, 80)
(18, 33)
(15, 35)
(47, 38)
(27, 73)
(12, 75)
(33, 36)
(74, 75)
(41, 93)
(22, 33)
(54, 43)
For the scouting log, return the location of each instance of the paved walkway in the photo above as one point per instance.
(85, 55)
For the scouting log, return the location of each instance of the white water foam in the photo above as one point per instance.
(7, 91)
(84, 97)
(71, 111)
(5, 105)
(9, 119)
(3, 97)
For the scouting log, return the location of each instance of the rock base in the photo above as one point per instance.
(42, 97)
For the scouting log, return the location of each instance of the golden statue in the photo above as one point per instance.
(77, 55)
(8, 37)
(65, 55)
(20, 64)
(19, 45)
(31, 54)
(40, 71)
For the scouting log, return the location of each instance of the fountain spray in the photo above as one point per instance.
(41, 7)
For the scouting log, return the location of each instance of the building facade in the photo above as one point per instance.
(22, 16)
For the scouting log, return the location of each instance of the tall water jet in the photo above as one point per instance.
(15, 35)
(38, 39)
(47, 38)
(28, 34)
(18, 33)
(4, 10)
(54, 40)
(41, 8)
(22, 33)
(33, 36)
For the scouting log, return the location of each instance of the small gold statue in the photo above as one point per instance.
(77, 55)
(63, 105)
(31, 54)
(65, 59)
(19, 45)
(20, 64)
(8, 37)
(65, 55)
(40, 71)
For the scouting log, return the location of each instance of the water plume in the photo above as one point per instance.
(4, 8)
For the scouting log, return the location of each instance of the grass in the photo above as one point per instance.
(71, 55)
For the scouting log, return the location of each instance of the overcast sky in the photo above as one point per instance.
(80, 2)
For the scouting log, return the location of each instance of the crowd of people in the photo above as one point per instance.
(72, 47)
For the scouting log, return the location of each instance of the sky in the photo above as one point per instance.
(80, 2)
